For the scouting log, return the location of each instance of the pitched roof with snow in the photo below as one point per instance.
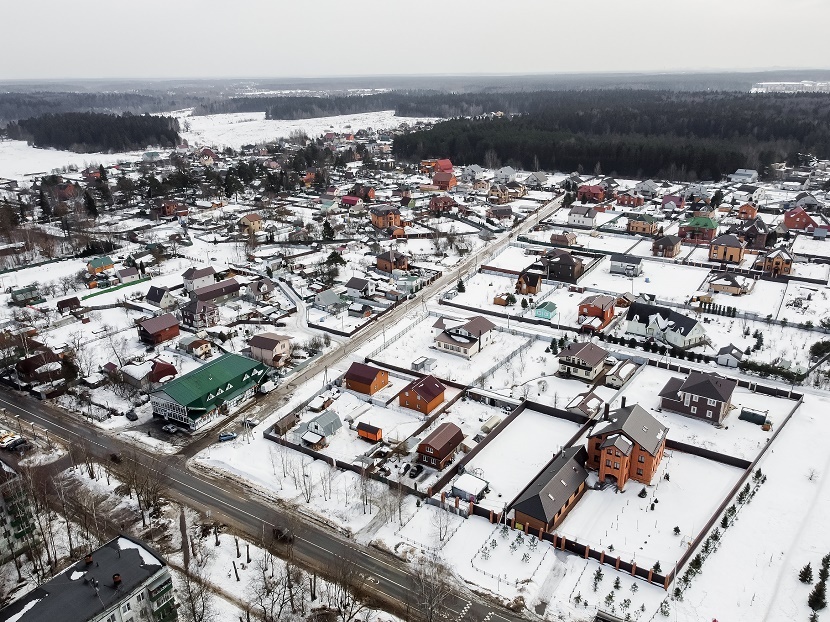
(586, 351)
(428, 387)
(548, 493)
(637, 424)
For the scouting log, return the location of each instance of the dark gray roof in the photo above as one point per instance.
(216, 290)
(641, 312)
(159, 323)
(667, 240)
(155, 293)
(629, 259)
(356, 283)
(550, 491)
(618, 442)
(731, 349)
(709, 386)
(193, 273)
(635, 423)
(65, 599)
(267, 341)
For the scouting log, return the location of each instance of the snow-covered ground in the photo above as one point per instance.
(20, 161)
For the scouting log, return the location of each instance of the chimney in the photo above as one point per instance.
(623, 402)
(88, 559)
(116, 580)
(607, 409)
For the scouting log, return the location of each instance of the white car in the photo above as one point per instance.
(7, 440)
(170, 429)
(250, 422)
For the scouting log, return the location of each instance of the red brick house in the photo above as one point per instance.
(595, 312)
(438, 449)
(365, 379)
(391, 260)
(630, 198)
(444, 181)
(590, 194)
(158, 329)
(747, 211)
(627, 444)
(798, 218)
(441, 205)
(423, 395)
(443, 166)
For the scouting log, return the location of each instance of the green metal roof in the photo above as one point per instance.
(548, 305)
(702, 222)
(216, 382)
(99, 262)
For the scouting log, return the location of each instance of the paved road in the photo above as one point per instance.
(242, 508)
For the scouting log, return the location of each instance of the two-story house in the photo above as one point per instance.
(582, 215)
(424, 394)
(642, 224)
(596, 311)
(391, 260)
(664, 324)
(199, 314)
(385, 216)
(727, 248)
(465, 339)
(438, 449)
(360, 288)
(194, 278)
(666, 246)
(703, 396)
(583, 360)
(776, 262)
(270, 348)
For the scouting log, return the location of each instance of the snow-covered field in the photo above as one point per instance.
(18, 160)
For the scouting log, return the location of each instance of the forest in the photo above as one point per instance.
(92, 132)
(684, 136)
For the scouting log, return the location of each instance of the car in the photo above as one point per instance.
(226, 436)
(116, 458)
(131, 416)
(416, 471)
(283, 534)
(405, 468)
(610, 360)
(280, 324)
(170, 429)
(250, 422)
(19, 445)
(7, 441)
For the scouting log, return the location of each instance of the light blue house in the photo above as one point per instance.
(546, 310)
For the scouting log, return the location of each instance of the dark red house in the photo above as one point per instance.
(438, 449)
(158, 329)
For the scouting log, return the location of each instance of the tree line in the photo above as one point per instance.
(638, 133)
(88, 132)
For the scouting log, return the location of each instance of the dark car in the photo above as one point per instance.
(283, 534)
(131, 416)
(116, 458)
(17, 444)
(405, 468)
(416, 471)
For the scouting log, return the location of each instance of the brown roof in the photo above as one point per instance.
(599, 300)
(251, 217)
(428, 387)
(446, 435)
(586, 351)
(478, 325)
(159, 323)
(267, 341)
(364, 374)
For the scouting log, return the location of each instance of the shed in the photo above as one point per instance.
(470, 488)
(369, 432)
(490, 425)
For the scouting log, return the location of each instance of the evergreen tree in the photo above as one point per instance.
(806, 574)
(461, 287)
(43, 203)
(328, 231)
(89, 204)
(817, 600)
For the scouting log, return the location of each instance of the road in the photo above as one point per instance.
(231, 503)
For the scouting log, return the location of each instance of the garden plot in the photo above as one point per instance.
(398, 424)
(806, 245)
(419, 342)
(430, 527)
(664, 280)
(514, 457)
(741, 439)
(341, 321)
(625, 521)
(804, 302)
(512, 258)
(606, 242)
(764, 299)
(812, 270)
(481, 289)
(641, 248)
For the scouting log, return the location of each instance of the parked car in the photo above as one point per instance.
(250, 422)
(416, 471)
(116, 458)
(16, 443)
(405, 468)
(283, 534)
(170, 429)
(131, 416)
(227, 436)
(7, 440)
(610, 360)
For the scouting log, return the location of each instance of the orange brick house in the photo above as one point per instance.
(423, 395)
(365, 379)
(747, 211)
(627, 444)
(391, 260)
(727, 247)
(529, 283)
(642, 224)
(590, 194)
(777, 262)
(385, 216)
(595, 312)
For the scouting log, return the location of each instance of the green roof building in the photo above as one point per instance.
(546, 310)
(206, 394)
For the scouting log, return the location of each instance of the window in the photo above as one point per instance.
(616, 465)
(616, 454)
(125, 608)
(140, 597)
(428, 449)
(608, 463)
(596, 458)
(609, 451)
(694, 409)
(711, 402)
(709, 414)
(111, 617)
(597, 445)
(694, 398)
(639, 471)
(641, 459)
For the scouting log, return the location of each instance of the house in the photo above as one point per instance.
(210, 392)
(319, 430)
(68, 304)
(664, 324)
(471, 173)
(270, 348)
(536, 180)
(563, 238)
(754, 233)
(385, 216)
(560, 265)
(217, 292)
(666, 246)
(121, 581)
(727, 248)
(127, 275)
(464, 339)
(443, 166)
(499, 212)
(776, 262)
(42, 366)
(546, 310)
(587, 404)
(357, 309)
(353, 204)
(145, 375)
(628, 444)
(369, 432)
(545, 502)
(158, 329)
(365, 378)
(516, 190)
(250, 223)
(160, 297)
(199, 314)
(261, 289)
(528, 283)
(590, 194)
(744, 176)
(196, 278)
(207, 157)
(28, 295)
(99, 264)
(438, 449)
(648, 188)
(698, 229)
(365, 192)
(391, 260)
(360, 288)
(673, 203)
(797, 218)
(582, 215)
(747, 211)
(581, 359)
(628, 265)
(498, 194)
(329, 301)
(596, 311)
(620, 373)
(444, 181)
(807, 200)
(700, 395)
(729, 356)
(200, 348)
(641, 224)
(441, 205)
(504, 175)
(423, 395)
(729, 283)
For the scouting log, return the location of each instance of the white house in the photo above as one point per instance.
(195, 278)
(360, 288)
(127, 275)
(464, 339)
(471, 173)
(663, 324)
(504, 175)
(729, 356)
(160, 297)
(629, 265)
(648, 188)
(744, 175)
(270, 348)
(583, 215)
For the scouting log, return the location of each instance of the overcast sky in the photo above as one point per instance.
(302, 38)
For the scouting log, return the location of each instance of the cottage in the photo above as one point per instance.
(471, 173)
(423, 395)
(582, 215)
(439, 205)
(642, 224)
(744, 175)
(729, 356)
(200, 348)
(628, 265)
(146, 375)
(546, 310)
(536, 180)
(499, 212)
(596, 311)
(198, 314)
(439, 448)
(319, 430)
(160, 297)
(666, 246)
(529, 282)
(672, 203)
(560, 265)
(42, 366)
(543, 505)
(563, 238)
(444, 181)
(365, 379)
(360, 288)
(590, 194)
(217, 293)
(664, 324)
(698, 229)
(754, 233)
(464, 339)
(391, 260)
(620, 373)
(702, 396)
(196, 278)
(777, 262)
(329, 301)
(158, 329)
(385, 216)
(498, 194)
(250, 224)
(727, 248)
(99, 264)
(68, 304)
(127, 275)
(270, 348)
(648, 188)
(583, 360)
(729, 283)
(747, 211)
(797, 218)
(504, 175)
(628, 444)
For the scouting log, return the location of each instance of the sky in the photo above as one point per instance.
(302, 38)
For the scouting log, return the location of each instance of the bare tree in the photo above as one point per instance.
(307, 482)
(269, 590)
(195, 598)
(441, 523)
(432, 587)
(346, 590)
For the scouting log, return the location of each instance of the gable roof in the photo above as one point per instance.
(445, 435)
(267, 341)
(603, 301)
(478, 325)
(428, 387)
(159, 323)
(215, 290)
(629, 259)
(155, 293)
(669, 319)
(593, 355)
(637, 424)
(550, 490)
(667, 240)
(712, 386)
(362, 373)
(193, 273)
(356, 283)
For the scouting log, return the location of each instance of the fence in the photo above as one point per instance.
(502, 362)
(418, 319)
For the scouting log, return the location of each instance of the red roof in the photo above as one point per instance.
(350, 200)
(444, 166)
